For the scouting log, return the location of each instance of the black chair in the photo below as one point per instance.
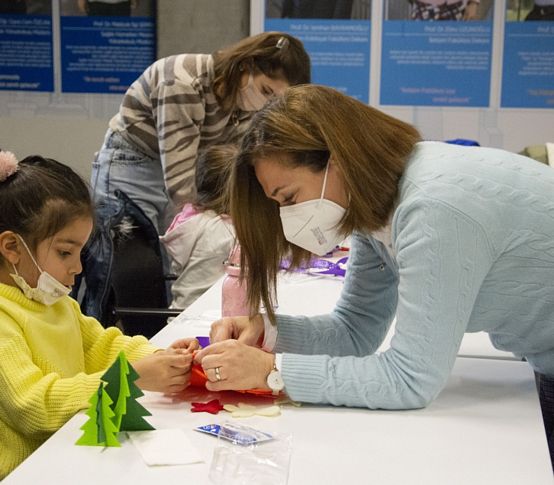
(123, 271)
(139, 296)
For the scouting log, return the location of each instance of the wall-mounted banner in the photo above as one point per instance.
(436, 53)
(336, 34)
(26, 62)
(105, 46)
(528, 67)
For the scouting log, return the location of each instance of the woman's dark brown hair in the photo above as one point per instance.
(303, 128)
(275, 54)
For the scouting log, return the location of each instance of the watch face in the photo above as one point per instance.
(275, 381)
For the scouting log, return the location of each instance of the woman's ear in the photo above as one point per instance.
(333, 166)
(247, 65)
(9, 247)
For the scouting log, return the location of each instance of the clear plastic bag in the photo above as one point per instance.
(264, 462)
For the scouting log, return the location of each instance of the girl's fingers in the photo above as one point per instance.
(180, 361)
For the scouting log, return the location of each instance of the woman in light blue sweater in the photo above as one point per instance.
(449, 239)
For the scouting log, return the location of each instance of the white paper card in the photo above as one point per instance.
(164, 447)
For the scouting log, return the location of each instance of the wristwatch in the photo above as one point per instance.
(275, 381)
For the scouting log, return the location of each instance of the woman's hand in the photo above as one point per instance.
(167, 371)
(239, 366)
(245, 330)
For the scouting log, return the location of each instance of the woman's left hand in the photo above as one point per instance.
(232, 365)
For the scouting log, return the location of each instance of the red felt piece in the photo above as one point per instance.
(212, 407)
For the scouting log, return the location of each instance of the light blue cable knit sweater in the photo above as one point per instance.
(473, 233)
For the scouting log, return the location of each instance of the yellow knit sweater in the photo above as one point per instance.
(51, 360)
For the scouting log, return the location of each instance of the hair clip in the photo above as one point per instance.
(282, 42)
(8, 165)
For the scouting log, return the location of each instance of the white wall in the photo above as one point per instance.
(38, 126)
(71, 127)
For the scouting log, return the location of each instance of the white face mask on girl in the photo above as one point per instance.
(48, 291)
(250, 98)
(313, 225)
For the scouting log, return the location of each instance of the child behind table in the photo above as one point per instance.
(51, 355)
(201, 236)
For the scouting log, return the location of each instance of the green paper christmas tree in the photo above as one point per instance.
(132, 419)
(100, 429)
(114, 406)
(117, 387)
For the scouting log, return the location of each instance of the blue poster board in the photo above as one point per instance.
(339, 51)
(528, 68)
(445, 63)
(26, 53)
(105, 54)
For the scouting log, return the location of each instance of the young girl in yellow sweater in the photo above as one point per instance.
(51, 355)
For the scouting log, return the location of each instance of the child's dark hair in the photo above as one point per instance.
(41, 198)
(212, 174)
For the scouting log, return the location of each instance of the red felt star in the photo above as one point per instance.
(212, 407)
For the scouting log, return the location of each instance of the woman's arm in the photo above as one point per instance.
(362, 316)
(443, 258)
(178, 110)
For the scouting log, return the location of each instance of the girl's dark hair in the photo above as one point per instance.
(275, 54)
(41, 198)
(213, 168)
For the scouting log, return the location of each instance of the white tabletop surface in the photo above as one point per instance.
(484, 428)
(301, 294)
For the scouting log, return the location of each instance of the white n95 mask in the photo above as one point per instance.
(48, 290)
(250, 97)
(313, 225)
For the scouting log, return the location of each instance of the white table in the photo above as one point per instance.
(484, 428)
(301, 294)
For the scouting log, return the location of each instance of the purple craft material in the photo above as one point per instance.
(315, 265)
(335, 269)
(203, 341)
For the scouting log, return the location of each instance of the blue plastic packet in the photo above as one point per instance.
(237, 434)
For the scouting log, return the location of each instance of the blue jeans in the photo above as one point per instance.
(119, 165)
(125, 182)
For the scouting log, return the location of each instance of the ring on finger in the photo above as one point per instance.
(217, 373)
